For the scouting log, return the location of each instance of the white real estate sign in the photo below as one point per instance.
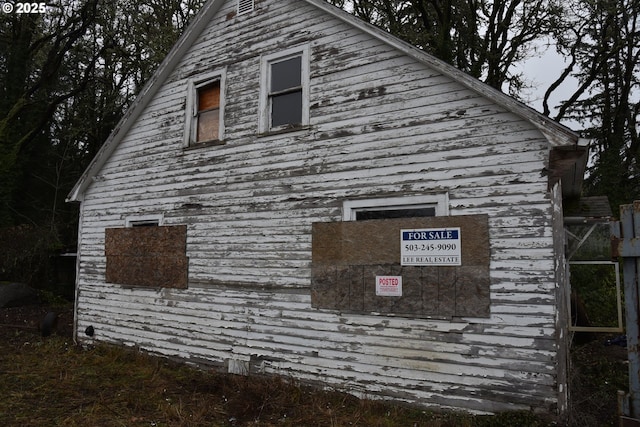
(431, 247)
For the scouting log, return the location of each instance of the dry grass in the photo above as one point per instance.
(51, 382)
(597, 373)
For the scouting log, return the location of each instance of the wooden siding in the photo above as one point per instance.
(381, 124)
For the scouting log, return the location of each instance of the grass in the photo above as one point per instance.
(52, 382)
(597, 373)
(55, 383)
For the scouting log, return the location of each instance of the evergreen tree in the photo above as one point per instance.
(66, 78)
(480, 37)
(601, 41)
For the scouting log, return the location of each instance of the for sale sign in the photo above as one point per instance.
(431, 247)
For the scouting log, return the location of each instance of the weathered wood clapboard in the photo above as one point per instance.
(381, 122)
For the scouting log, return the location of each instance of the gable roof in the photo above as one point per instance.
(557, 135)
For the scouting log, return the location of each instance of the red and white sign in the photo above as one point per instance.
(389, 286)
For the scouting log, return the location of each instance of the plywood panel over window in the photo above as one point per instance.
(347, 257)
(147, 256)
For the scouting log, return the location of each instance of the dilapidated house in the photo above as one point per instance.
(298, 193)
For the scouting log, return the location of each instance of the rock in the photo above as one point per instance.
(17, 294)
(48, 324)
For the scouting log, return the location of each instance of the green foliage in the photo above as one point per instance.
(596, 287)
(28, 258)
(35, 77)
(598, 372)
(601, 43)
(51, 299)
(66, 78)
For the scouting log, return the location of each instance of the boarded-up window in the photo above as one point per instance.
(147, 256)
(208, 114)
(204, 110)
(348, 256)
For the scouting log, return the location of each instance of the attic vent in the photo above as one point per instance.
(245, 6)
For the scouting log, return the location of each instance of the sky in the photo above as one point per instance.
(541, 71)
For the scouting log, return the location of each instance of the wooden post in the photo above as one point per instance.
(627, 245)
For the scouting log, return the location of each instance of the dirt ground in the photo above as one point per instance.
(597, 371)
(30, 318)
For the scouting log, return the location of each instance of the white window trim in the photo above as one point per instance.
(438, 201)
(264, 124)
(132, 221)
(191, 107)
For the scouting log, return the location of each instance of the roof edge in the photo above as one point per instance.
(557, 134)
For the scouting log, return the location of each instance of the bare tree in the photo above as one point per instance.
(36, 48)
(66, 78)
(484, 38)
(601, 41)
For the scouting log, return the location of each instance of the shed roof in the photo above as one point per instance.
(558, 136)
(585, 209)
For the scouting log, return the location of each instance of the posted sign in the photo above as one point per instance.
(389, 286)
(431, 246)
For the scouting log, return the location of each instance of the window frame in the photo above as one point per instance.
(440, 202)
(266, 62)
(192, 112)
(619, 324)
(144, 220)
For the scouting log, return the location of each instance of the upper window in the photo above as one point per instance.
(205, 108)
(208, 114)
(285, 90)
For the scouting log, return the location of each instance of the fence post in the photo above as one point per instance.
(627, 245)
